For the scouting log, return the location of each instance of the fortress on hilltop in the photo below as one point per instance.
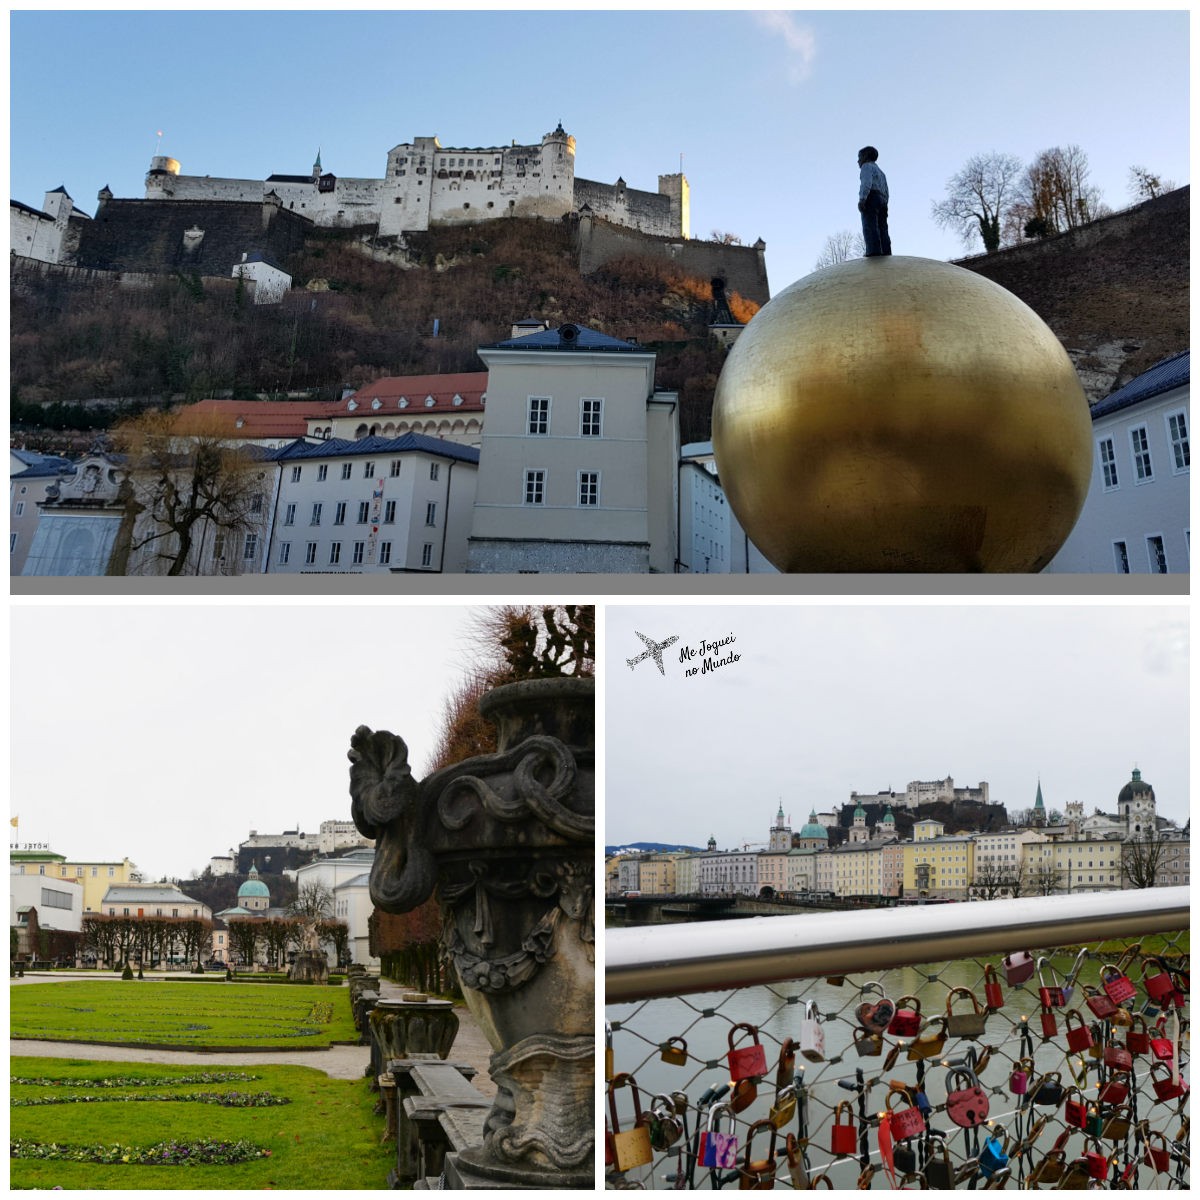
(426, 184)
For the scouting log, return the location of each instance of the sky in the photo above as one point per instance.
(825, 700)
(165, 733)
(766, 111)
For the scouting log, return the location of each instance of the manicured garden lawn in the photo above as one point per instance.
(193, 1016)
(325, 1138)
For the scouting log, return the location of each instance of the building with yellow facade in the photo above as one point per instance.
(938, 868)
(94, 877)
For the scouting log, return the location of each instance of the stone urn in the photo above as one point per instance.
(505, 842)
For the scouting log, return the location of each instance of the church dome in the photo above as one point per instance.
(813, 829)
(1136, 787)
(888, 818)
(253, 888)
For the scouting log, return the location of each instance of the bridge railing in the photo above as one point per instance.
(677, 994)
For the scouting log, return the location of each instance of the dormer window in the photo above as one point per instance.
(351, 405)
(403, 402)
(377, 403)
(429, 401)
(457, 400)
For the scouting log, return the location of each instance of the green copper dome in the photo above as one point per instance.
(813, 829)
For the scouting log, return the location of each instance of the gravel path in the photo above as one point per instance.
(338, 1062)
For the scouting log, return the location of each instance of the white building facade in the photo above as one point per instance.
(1137, 518)
(376, 505)
(578, 458)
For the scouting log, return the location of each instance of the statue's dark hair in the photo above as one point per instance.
(869, 153)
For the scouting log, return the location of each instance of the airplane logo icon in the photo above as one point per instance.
(653, 650)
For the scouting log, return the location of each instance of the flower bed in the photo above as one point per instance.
(204, 1152)
(114, 1081)
(224, 1099)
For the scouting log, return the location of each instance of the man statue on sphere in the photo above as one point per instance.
(873, 203)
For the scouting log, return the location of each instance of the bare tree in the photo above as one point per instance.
(992, 880)
(189, 492)
(245, 936)
(725, 239)
(840, 247)
(977, 197)
(1056, 193)
(1140, 861)
(1144, 184)
(1043, 878)
(314, 904)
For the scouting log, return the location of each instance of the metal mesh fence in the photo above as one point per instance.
(1064, 1067)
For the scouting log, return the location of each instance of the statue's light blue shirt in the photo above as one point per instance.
(872, 179)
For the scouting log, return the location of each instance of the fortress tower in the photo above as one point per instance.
(780, 837)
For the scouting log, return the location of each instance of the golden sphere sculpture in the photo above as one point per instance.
(901, 414)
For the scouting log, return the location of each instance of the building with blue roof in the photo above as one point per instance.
(1137, 515)
(30, 475)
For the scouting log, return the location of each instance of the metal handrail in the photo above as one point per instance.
(680, 959)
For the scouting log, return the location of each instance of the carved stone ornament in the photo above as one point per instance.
(506, 843)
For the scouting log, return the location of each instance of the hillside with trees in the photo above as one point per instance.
(348, 319)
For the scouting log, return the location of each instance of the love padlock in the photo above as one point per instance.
(1118, 987)
(1048, 1089)
(993, 997)
(1099, 1004)
(1166, 1086)
(1158, 1157)
(664, 1124)
(1018, 967)
(674, 1051)
(758, 1174)
(1117, 1058)
(1079, 1036)
(1049, 1021)
(843, 1135)
(630, 1148)
(1115, 1089)
(1137, 1040)
(906, 1020)
(867, 1045)
(1022, 1073)
(1049, 994)
(930, 1044)
(964, 1024)
(713, 1148)
(1159, 986)
(812, 1034)
(994, 1155)
(966, 1105)
(905, 1122)
(1161, 1046)
(749, 1062)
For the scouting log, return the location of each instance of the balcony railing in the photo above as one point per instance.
(677, 993)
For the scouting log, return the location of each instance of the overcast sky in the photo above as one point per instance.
(767, 110)
(165, 733)
(827, 700)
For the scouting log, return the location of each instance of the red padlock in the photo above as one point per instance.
(1050, 995)
(750, 1062)
(905, 1122)
(1137, 1041)
(1075, 1111)
(1161, 1046)
(907, 1019)
(967, 1106)
(1114, 1090)
(1100, 1005)
(1158, 1157)
(1159, 987)
(843, 1138)
(1079, 1037)
(1097, 1164)
(993, 997)
(1167, 1087)
(1049, 1022)
(1117, 1058)
(1117, 987)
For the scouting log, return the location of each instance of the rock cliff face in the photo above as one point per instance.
(1115, 292)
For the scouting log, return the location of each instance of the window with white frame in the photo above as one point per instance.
(368, 470)
(535, 486)
(285, 553)
(1177, 431)
(335, 553)
(250, 549)
(1108, 463)
(1157, 554)
(431, 513)
(385, 553)
(346, 469)
(427, 554)
(1140, 446)
(19, 509)
(310, 554)
(256, 502)
(364, 511)
(359, 550)
(389, 512)
(339, 513)
(590, 412)
(322, 472)
(539, 415)
(315, 519)
(396, 466)
(295, 474)
(433, 470)
(1121, 557)
(289, 515)
(589, 488)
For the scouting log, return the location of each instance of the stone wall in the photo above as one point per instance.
(160, 235)
(743, 268)
(647, 212)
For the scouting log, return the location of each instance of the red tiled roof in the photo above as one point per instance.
(470, 385)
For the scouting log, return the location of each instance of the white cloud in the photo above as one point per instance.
(799, 40)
